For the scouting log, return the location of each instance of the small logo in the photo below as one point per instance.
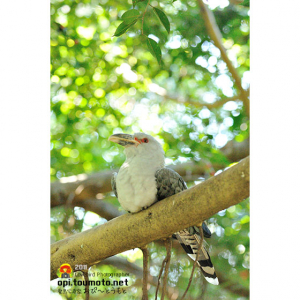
(65, 271)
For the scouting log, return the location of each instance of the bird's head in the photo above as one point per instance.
(138, 144)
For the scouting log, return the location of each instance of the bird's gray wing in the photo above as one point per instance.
(169, 183)
(114, 184)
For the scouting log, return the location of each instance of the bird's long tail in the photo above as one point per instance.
(189, 240)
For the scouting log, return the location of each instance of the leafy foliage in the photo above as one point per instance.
(154, 49)
(131, 16)
(163, 18)
(149, 66)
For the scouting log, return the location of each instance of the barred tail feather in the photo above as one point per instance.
(189, 243)
(207, 267)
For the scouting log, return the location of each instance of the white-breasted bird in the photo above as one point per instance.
(143, 179)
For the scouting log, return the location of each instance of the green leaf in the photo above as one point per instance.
(123, 27)
(154, 49)
(130, 15)
(163, 18)
(146, 29)
(135, 2)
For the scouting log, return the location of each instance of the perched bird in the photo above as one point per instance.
(143, 180)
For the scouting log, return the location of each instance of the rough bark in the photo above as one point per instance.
(75, 189)
(103, 209)
(177, 212)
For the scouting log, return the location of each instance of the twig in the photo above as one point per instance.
(216, 36)
(200, 105)
(168, 243)
(123, 264)
(159, 275)
(143, 17)
(87, 287)
(137, 284)
(145, 272)
(165, 265)
(195, 262)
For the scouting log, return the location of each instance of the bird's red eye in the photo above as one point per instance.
(145, 140)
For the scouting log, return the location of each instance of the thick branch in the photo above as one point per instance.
(109, 211)
(85, 187)
(175, 213)
(235, 151)
(215, 34)
(103, 209)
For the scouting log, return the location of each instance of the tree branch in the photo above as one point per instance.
(172, 293)
(162, 219)
(87, 287)
(167, 266)
(86, 187)
(103, 209)
(210, 106)
(215, 34)
(123, 264)
(83, 186)
(195, 261)
(108, 211)
(145, 272)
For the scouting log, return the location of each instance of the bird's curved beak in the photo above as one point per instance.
(123, 139)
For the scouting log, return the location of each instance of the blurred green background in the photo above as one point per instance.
(102, 85)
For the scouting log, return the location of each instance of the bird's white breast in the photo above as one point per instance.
(136, 184)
